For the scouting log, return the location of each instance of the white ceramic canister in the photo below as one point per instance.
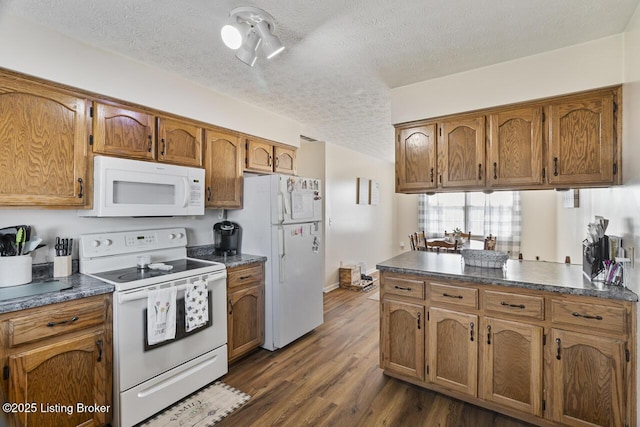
(15, 270)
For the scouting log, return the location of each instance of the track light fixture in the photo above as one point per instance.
(247, 29)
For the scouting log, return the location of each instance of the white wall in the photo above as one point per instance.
(37, 51)
(356, 233)
(539, 230)
(589, 65)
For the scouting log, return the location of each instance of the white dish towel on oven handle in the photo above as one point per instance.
(196, 305)
(161, 315)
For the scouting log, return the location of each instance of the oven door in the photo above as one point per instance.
(136, 361)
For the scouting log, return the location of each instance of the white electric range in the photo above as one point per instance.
(148, 378)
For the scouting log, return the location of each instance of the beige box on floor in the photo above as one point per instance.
(349, 275)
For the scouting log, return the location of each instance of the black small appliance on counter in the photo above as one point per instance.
(227, 238)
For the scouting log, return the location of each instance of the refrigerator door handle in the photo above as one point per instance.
(282, 207)
(281, 252)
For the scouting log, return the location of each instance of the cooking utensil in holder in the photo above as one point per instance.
(593, 256)
(15, 270)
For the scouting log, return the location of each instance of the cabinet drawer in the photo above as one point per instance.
(589, 316)
(245, 275)
(56, 320)
(514, 304)
(456, 295)
(412, 288)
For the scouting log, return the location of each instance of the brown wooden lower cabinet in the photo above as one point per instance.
(402, 341)
(512, 350)
(61, 372)
(245, 309)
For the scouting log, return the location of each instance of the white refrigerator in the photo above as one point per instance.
(281, 219)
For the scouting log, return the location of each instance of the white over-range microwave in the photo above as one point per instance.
(123, 187)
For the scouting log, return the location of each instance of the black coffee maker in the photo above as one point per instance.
(227, 238)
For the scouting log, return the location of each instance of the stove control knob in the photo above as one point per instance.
(108, 242)
(172, 236)
(95, 243)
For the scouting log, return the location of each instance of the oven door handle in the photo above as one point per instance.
(144, 293)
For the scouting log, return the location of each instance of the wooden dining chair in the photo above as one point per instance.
(420, 240)
(490, 243)
(466, 236)
(442, 245)
(412, 242)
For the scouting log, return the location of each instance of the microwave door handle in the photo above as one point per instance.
(186, 192)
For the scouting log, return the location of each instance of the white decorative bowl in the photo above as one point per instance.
(482, 258)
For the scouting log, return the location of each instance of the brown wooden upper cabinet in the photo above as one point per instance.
(416, 158)
(461, 152)
(223, 169)
(263, 156)
(123, 132)
(569, 141)
(126, 132)
(581, 140)
(179, 142)
(515, 147)
(43, 140)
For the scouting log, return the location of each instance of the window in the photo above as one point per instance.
(481, 214)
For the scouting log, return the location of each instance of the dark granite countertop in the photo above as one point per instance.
(81, 286)
(536, 275)
(206, 253)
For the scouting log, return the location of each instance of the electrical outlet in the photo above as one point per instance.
(401, 245)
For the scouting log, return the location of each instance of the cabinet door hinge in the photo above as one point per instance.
(91, 112)
(5, 372)
(627, 355)
(544, 340)
(615, 168)
(90, 139)
(615, 107)
(544, 117)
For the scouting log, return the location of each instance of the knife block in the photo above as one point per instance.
(62, 266)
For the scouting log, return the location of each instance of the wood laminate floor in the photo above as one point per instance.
(331, 377)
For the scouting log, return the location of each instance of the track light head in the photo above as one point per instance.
(248, 28)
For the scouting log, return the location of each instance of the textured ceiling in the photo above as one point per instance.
(342, 56)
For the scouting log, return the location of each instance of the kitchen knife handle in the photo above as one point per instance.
(80, 194)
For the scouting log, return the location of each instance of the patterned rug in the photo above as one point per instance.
(202, 409)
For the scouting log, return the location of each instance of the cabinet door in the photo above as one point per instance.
(285, 160)
(223, 169)
(453, 350)
(581, 140)
(179, 142)
(245, 321)
(121, 132)
(402, 338)
(68, 373)
(515, 147)
(512, 364)
(416, 158)
(461, 153)
(259, 156)
(587, 379)
(43, 140)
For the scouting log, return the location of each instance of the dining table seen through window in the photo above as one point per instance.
(497, 214)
